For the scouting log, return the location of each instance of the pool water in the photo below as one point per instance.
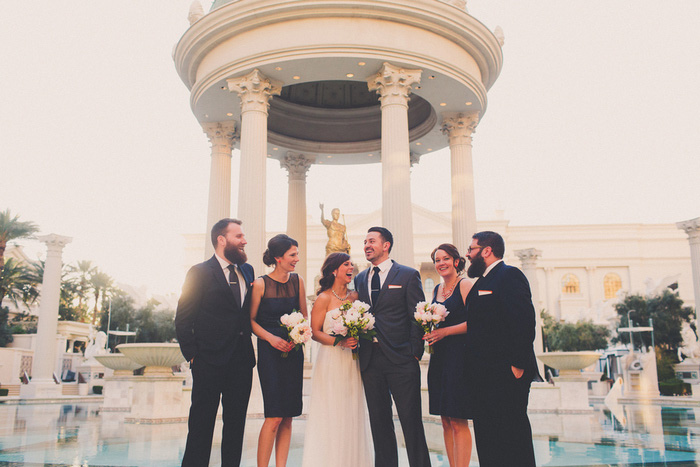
(81, 435)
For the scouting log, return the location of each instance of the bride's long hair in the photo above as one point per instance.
(330, 265)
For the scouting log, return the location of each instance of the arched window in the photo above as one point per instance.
(570, 284)
(611, 284)
(429, 286)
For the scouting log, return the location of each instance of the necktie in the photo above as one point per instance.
(375, 285)
(233, 283)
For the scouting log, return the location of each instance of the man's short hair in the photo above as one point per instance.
(221, 227)
(492, 239)
(385, 234)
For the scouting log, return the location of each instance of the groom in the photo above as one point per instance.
(390, 364)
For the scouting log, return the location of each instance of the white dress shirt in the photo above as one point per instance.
(241, 280)
(493, 265)
(384, 268)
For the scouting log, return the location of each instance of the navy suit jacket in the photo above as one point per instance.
(209, 323)
(501, 324)
(399, 336)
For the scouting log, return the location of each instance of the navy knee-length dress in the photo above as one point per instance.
(446, 372)
(281, 378)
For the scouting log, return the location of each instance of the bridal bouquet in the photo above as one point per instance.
(352, 320)
(298, 329)
(429, 316)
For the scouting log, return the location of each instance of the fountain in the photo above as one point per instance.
(118, 388)
(569, 394)
(157, 396)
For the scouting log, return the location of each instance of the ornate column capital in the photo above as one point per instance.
(528, 257)
(393, 84)
(692, 228)
(459, 127)
(54, 242)
(297, 165)
(221, 134)
(255, 90)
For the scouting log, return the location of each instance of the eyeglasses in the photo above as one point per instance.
(470, 249)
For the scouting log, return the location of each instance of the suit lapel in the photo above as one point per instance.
(220, 279)
(391, 275)
(361, 281)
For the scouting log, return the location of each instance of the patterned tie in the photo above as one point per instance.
(233, 283)
(375, 285)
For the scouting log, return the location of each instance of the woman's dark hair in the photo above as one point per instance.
(277, 247)
(332, 262)
(453, 253)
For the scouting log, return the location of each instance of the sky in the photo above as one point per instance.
(593, 120)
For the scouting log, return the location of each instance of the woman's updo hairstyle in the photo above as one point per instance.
(277, 247)
(453, 253)
(332, 263)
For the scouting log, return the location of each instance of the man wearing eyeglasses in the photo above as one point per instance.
(500, 356)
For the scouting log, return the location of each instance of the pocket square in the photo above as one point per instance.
(395, 286)
(485, 292)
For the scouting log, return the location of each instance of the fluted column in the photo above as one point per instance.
(297, 166)
(255, 91)
(393, 84)
(221, 136)
(528, 258)
(692, 228)
(459, 129)
(44, 361)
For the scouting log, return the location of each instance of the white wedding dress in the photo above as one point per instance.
(337, 431)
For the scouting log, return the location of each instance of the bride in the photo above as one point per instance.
(338, 426)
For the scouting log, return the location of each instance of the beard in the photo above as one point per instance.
(477, 268)
(235, 254)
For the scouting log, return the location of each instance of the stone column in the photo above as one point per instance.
(255, 91)
(221, 136)
(528, 259)
(42, 384)
(459, 129)
(590, 272)
(692, 228)
(393, 84)
(297, 165)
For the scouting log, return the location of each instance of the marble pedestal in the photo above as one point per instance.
(568, 394)
(156, 399)
(46, 389)
(118, 393)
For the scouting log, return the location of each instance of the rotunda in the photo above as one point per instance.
(337, 82)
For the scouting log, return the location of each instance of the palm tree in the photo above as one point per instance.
(18, 283)
(83, 271)
(11, 228)
(101, 284)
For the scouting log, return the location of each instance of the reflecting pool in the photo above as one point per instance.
(81, 435)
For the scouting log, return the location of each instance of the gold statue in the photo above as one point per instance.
(337, 234)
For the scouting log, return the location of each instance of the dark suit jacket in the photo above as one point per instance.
(400, 338)
(501, 324)
(208, 322)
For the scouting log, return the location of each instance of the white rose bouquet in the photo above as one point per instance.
(429, 316)
(353, 320)
(298, 329)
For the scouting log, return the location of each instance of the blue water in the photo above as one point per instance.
(80, 435)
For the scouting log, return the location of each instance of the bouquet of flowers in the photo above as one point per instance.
(353, 320)
(298, 329)
(429, 316)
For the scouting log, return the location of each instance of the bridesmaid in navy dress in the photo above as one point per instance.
(281, 378)
(446, 373)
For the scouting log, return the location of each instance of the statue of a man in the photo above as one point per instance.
(337, 235)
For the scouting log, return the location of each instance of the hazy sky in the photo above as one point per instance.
(594, 119)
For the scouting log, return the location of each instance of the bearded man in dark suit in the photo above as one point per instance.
(500, 355)
(213, 329)
(389, 365)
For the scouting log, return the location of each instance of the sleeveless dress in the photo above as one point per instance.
(337, 431)
(281, 378)
(447, 380)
